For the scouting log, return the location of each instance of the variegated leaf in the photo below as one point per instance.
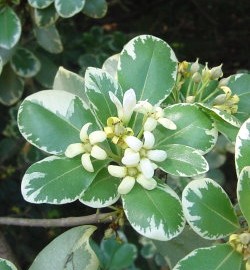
(68, 9)
(70, 250)
(6, 54)
(40, 3)
(46, 16)
(95, 8)
(1, 65)
(156, 214)
(110, 65)
(6, 265)
(208, 209)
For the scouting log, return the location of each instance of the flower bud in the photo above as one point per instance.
(216, 73)
(195, 67)
(190, 99)
(220, 99)
(196, 77)
(183, 67)
(206, 73)
(224, 81)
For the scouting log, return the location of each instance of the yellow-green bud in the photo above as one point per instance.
(190, 99)
(244, 238)
(196, 77)
(195, 66)
(206, 73)
(224, 81)
(216, 72)
(183, 67)
(220, 99)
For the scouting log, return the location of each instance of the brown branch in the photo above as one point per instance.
(58, 222)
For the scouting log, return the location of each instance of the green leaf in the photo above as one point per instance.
(242, 147)
(6, 265)
(10, 28)
(6, 54)
(70, 82)
(149, 66)
(25, 63)
(194, 128)
(11, 86)
(57, 180)
(220, 257)
(46, 16)
(49, 39)
(95, 8)
(110, 65)
(98, 83)
(183, 161)
(70, 250)
(203, 201)
(40, 3)
(1, 65)
(156, 214)
(102, 192)
(240, 85)
(243, 189)
(68, 9)
(51, 120)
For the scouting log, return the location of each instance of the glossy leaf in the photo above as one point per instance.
(102, 192)
(25, 63)
(156, 214)
(194, 128)
(6, 54)
(203, 201)
(46, 16)
(51, 120)
(220, 257)
(57, 180)
(68, 9)
(95, 8)
(243, 190)
(183, 161)
(6, 265)
(70, 250)
(40, 3)
(49, 39)
(110, 65)
(149, 66)
(242, 147)
(10, 28)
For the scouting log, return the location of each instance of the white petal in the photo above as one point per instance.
(150, 124)
(97, 136)
(146, 167)
(159, 112)
(157, 155)
(131, 159)
(129, 102)
(98, 153)
(74, 149)
(167, 123)
(143, 107)
(86, 162)
(84, 132)
(149, 140)
(148, 184)
(134, 143)
(117, 103)
(117, 171)
(126, 185)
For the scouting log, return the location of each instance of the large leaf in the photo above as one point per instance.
(49, 39)
(68, 9)
(57, 180)
(110, 65)
(194, 128)
(98, 83)
(10, 28)
(51, 120)
(220, 257)
(45, 17)
(95, 8)
(25, 63)
(40, 3)
(183, 161)
(243, 190)
(70, 250)
(156, 214)
(242, 147)
(203, 201)
(102, 192)
(11, 86)
(149, 66)
(6, 265)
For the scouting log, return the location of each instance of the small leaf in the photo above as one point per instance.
(220, 257)
(203, 201)
(242, 147)
(70, 250)
(243, 189)
(102, 192)
(110, 65)
(183, 161)
(6, 54)
(49, 39)
(6, 265)
(68, 9)
(57, 180)
(40, 3)
(156, 214)
(10, 28)
(25, 63)
(46, 16)
(95, 8)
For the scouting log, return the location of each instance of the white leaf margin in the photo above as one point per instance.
(9, 264)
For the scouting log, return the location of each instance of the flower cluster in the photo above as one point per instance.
(137, 159)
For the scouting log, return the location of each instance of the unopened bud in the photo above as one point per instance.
(226, 90)
(196, 77)
(220, 99)
(244, 238)
(224, 81)
(216, 73)
(190, 99)
(183, 67)
(206, 73)
(195, 66)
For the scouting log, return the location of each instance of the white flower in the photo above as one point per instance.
(88, 147)
(129, 176)
(126, 109)
(153, 115)
(142, 155)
